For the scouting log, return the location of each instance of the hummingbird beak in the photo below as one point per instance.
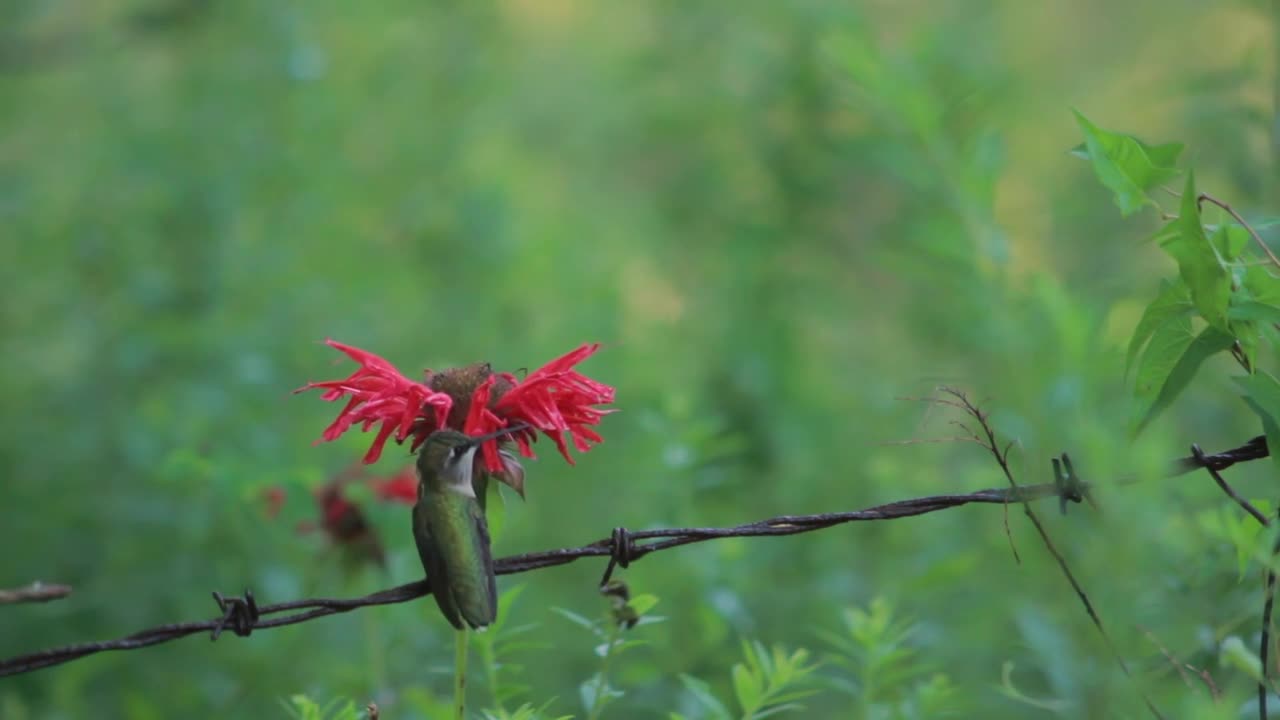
(479, 440)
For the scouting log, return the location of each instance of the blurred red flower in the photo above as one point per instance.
(273, 498)
(345, 524)
(401, 487)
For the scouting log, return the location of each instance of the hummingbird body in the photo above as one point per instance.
(450, 530)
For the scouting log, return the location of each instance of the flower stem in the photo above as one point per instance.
(460, 676)
(602, 680)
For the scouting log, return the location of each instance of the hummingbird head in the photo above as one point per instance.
(446, 458)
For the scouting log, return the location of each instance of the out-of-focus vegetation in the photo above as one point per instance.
(780, 218)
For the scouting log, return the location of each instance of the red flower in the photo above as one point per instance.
(553, 400)
(380, 394)
(273, 497)
(401, 487)
(346, 526)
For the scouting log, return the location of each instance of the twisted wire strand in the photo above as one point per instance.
(242, 615)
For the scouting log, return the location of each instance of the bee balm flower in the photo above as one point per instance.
(554, 400)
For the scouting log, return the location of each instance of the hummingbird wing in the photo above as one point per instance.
(459, 546)
(486, 611)
(433, 564)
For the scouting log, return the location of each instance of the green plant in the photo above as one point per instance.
(1225, 298)
(497, 645)
(883, 671)
(302, 707)
(624, 613)
(525, 712)
(767, 682)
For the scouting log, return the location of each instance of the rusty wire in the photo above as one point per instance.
(243, 615)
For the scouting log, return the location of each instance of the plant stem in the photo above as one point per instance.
(490, 662)
(460, 676)
(602, 680)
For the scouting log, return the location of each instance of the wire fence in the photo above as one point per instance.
(243, 615)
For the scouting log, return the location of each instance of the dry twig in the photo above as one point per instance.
(35, 592)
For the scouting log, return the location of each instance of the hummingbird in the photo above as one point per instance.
(450, 529)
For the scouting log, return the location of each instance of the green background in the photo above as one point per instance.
(780, 219)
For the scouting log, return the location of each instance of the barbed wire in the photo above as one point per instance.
(242, 615)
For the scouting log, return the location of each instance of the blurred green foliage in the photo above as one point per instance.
(780, 218)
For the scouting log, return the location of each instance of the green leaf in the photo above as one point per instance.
(760, 657)
(1010, 690)
(1261, 286)
(596, 694)
(1170, 361)
(508, 599)
(1262, 394)
(495, 513)
(1199, 263)
(1127, 166)
(747, 688)
(787, 697)
(1255, 308)
(1255, 311)
(643, 603)
(1174, 301)
(1233, 653)
(1230, 241)
(1250, 323)
(789, 707)
(702, 692)
(304, 707)
(577, 619)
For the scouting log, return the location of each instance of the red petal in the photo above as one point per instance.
(481, 421)
(381, 396)
(401, 487)
(556, 399)
(375, 450)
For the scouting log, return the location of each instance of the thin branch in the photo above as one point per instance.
(1264, 644)
(35, 592)
(1002, 459)
(1182, 667)
(1008, 533)
(1168, 655)
(1205, 197)
(1208, 681)
(244, 616)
